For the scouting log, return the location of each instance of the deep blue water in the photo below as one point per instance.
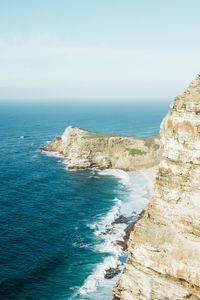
(47, 249)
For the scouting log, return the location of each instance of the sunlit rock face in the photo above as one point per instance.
(86, 149)
(164, 248)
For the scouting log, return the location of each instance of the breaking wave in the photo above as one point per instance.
(110, 228)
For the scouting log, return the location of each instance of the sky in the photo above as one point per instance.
(98, 49)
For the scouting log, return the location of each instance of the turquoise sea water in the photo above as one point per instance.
(56, 231)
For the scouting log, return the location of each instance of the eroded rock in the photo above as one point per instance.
(111, 272)
(85, 149)
(164, 247)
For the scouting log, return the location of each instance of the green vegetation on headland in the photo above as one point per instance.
(148, 143)
(148, 140)
(156, 146)
(86, 149)
(135, 151)
(104, 135)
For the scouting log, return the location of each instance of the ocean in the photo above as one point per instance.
(58, 228)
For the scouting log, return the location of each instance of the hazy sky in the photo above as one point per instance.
(98, 48)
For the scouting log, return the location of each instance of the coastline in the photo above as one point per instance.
(114, 228)
(150, 175)
(86, 149)
(164, 246)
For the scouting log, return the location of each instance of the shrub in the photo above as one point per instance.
(135, 151)
(156, 146)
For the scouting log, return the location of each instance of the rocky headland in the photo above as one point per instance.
(85, 149)
(164, 247)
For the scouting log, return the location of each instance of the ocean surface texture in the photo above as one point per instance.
(58, 228)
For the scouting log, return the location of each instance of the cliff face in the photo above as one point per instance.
(85, 149)
(164, 248)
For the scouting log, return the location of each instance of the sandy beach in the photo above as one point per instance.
(150, 175)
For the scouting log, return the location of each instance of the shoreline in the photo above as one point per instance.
(150, 176)
(114, 230)
(86, 149)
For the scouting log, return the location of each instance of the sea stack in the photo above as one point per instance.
(164, 248)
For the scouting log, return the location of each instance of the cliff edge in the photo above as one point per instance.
(86, 149)
(164, 248)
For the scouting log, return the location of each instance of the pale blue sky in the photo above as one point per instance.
(98, 48)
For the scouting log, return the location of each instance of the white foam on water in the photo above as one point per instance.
(110, 232)
(135, 184)
(52, 153)
(133, 201)
(97, 277)
(120, 174)
(56, 154)
(64, 162)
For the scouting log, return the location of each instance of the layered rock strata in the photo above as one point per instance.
(85, 149)
(164, 248)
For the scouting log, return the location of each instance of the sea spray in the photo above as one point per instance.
(45, 209)
(110, 228)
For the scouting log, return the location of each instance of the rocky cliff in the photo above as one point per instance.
(164, 248)
(85, 149)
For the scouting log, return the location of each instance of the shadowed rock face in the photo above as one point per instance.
(85, 149)
(164, 248)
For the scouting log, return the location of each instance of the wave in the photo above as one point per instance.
(110, 228)
(133, 197)
(123, 176)
(52, 153)
(56, 154)
(136, 187)
(97, 277)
